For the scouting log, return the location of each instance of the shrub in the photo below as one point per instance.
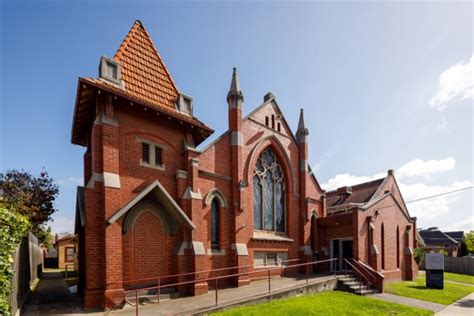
(13, 227)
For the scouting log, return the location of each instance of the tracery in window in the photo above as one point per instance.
(268, 193)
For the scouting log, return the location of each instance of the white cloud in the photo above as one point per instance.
(71, 181)
(466, 225)
(418, 167)
(443, 124)
(455, 84)
(408, 178)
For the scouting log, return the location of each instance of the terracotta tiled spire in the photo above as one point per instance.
(143, 71)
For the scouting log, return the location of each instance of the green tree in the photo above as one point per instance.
(32, 197)
(469, 241)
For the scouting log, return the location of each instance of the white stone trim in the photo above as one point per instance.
(189, 194)
(181, 174)
(240, 249)
(198, 248)
(374, 250)
(111, 180)
(237, 138)
(215, 252)
(303, 164)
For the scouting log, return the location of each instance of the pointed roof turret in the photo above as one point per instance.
(143, 70)
(302, 131)
(234, 90)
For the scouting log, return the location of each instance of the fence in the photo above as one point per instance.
(27, 265)
(462, 265)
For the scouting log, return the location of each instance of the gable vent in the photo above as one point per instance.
(110, 70)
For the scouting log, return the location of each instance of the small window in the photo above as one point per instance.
(279, 127)
(158, 160)
(152, 155)
(266, 120)
(262, 259)
(273, 121)
(69, 254)
(145, 153)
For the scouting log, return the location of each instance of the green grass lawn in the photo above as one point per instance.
(327, 303)
(469, 279)
(417, 289)
(455, 277)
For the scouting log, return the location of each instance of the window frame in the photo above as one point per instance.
(276, 181)
(152, 147)
(215, 244)
(66, 254)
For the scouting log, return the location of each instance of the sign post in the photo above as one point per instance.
(434, 270)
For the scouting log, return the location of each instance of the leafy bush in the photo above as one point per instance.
(419, 254)
(13, 227)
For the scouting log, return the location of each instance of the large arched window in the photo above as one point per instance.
(214, 224)
(398, 247)
(268, 193)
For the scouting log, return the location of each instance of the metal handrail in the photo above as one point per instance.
(158, 279)
(362, 264)
(360, 274)
(216, 281)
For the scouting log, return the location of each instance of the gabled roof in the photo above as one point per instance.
(436, 237)
(361, 194)
(143, 70)
(171, 211)
(458, 236)
(146, 81)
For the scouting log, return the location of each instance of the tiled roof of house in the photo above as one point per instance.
(104, 84)
(143, 71)
(360, 193)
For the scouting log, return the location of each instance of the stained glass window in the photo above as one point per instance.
(214, 224)
(269, 193)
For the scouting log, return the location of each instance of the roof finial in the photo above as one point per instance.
(234, 90)
(302, 131)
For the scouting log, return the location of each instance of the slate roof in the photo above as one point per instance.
(361, 193)
(436, 237)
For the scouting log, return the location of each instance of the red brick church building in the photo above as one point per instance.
(155, 203)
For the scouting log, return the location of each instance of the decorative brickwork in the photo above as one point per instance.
(123, 245)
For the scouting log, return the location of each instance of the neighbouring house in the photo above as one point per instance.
(66, 247)
(436, 240)
(156, 202)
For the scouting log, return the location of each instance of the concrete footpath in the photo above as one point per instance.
(434, 307)
(464, 306)
(51, 297)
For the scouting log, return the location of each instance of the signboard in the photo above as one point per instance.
(434, 261)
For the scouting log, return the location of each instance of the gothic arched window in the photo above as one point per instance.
(268, 193)
(214, 224)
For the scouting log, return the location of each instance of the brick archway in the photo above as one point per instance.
(147, 248)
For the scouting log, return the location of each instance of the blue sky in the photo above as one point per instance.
(384, 85)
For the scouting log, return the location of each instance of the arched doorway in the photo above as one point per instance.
(147, 245)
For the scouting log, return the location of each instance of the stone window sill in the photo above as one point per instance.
(215, 252)
(270, 236)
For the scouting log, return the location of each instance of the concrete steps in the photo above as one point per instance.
(351, 284)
